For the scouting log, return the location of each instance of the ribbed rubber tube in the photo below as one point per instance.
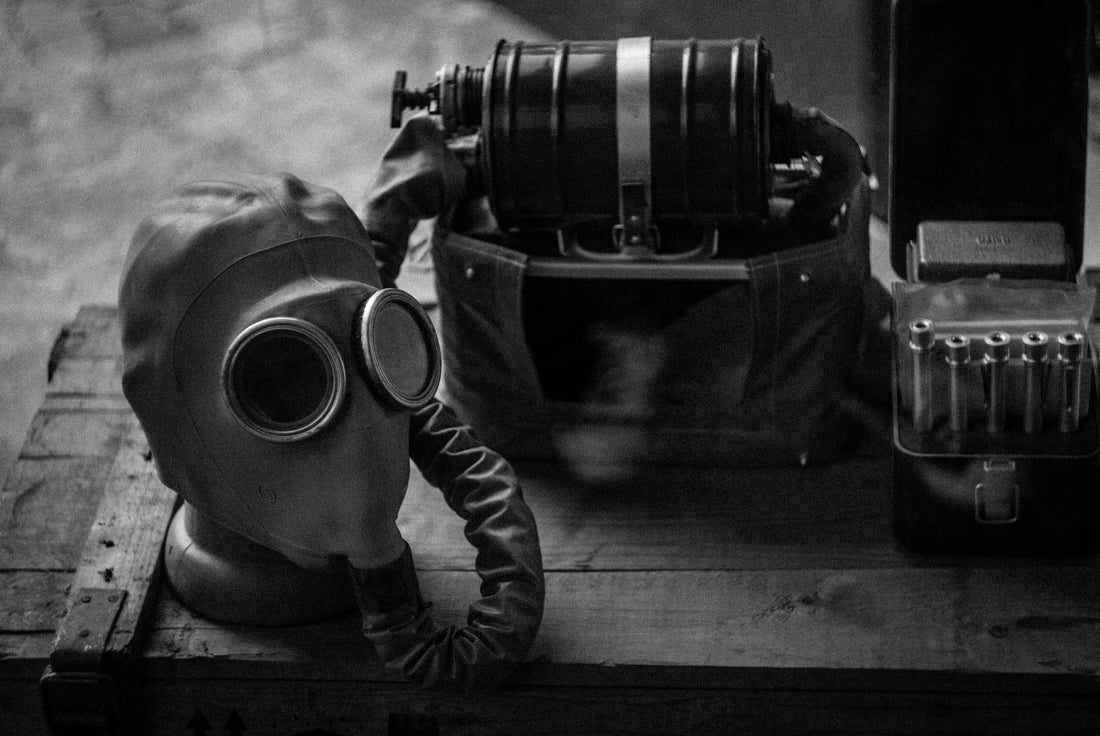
(797, 131)
(481, 487)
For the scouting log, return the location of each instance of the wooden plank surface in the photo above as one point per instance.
(712, 599)
(834, 516)
(87, 357)
(48, 501)
(45, 510)
(33, 601)
(806, 627)
(123, 546)
(297, 706)
(52, 491)
(684, 518)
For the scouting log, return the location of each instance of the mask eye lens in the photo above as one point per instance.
(280, 380)
(284, 379)
(399, 347)
(406, 361)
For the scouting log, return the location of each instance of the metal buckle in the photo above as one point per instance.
(635, 236)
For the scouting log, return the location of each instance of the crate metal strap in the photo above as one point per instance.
(78, 695)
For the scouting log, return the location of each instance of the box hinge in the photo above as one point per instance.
(79, 695)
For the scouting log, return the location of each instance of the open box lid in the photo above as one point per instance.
(988, 115)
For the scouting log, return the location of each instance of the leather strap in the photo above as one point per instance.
(632, 125)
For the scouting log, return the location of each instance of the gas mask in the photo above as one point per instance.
(283, 392)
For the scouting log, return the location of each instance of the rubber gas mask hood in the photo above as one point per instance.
(277, 384)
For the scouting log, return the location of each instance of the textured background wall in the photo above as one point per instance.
(105, 106)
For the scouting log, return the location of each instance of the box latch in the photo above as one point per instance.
(78, 695)
(997, 496)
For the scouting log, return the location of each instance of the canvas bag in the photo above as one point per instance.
(753, 372)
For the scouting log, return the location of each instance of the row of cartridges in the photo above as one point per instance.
(1063, 374)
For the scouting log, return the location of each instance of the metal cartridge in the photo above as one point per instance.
(1071, 353)
(922, 338)
(1035, 357)
(996, 363)
(958, 361)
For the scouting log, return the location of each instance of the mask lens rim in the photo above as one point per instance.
(371, 353)
(324, 348)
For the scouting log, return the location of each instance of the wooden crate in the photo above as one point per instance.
(700, 601)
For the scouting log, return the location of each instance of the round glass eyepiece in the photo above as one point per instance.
(399, 348)
(284, 379)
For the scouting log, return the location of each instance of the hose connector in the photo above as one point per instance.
(455, 96)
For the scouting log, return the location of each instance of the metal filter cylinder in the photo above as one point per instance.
(688, 120)
(636, 135)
